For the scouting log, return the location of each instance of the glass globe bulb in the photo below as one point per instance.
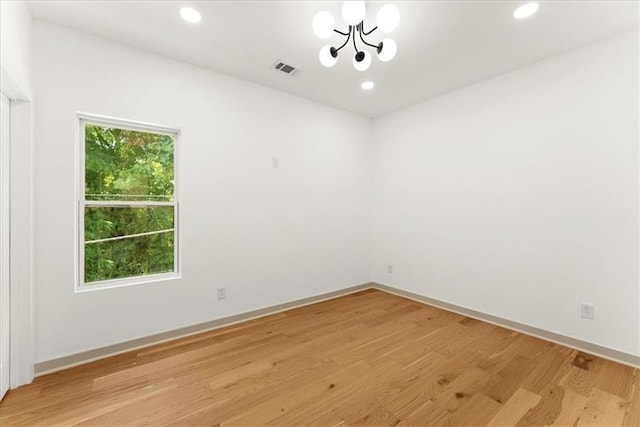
(323, 24)
(364, 64)
(326, 58)
(389, 49)
(353, 12)
(388, 18)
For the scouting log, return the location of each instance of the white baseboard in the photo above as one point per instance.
(588, 347)
(54, 365)
(61, 363)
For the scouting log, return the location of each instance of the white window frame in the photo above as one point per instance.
(82, 119)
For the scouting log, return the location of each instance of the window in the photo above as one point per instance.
(128, 211)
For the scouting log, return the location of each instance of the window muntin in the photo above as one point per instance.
(128, 216)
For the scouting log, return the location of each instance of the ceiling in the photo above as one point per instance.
(442, 46)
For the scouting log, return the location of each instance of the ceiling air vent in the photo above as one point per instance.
(285, 68)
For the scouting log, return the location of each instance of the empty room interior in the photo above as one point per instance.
(246, 213)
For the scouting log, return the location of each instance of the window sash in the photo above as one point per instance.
(84, 119)
(125, 203)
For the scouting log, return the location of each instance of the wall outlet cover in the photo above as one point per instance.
(587, 311)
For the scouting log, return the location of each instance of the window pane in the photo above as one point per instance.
(122, 164)
(128, 241)
(101, 222)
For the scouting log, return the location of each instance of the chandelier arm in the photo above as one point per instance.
(365, 42)
(346, 41)
(344, 34)
(354, 41)
(367, 33)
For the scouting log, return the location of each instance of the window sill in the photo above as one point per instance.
(128, 281)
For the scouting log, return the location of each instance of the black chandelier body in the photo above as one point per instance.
(353, 29)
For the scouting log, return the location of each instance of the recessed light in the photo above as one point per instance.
(368, 85)
(525, 11)
(189, 14)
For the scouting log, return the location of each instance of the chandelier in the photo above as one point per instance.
(353, 13)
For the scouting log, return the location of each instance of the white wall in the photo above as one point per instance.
(268, 235)
(15, 40)
(518, 196)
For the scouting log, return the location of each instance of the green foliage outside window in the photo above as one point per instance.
(127, 240)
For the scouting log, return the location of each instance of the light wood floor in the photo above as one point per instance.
(365, 359)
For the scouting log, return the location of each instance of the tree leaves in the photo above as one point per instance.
(127, 165)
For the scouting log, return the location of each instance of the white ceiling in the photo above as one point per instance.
(442, 46)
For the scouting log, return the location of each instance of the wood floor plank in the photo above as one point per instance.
(603, 409)
(339, 391)
(546, 411)
(515, 408)
(424, 413)
(510, 378)
(616, 379)
(572, 406)
(287, 401)
(369, 358)
(477, 411)
(428, 384)
(547, 370)
(632, 416)
(578, 380)
(364, 411)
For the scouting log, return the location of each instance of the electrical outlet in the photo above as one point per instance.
(221, 293)
(275, 162)
(390, 269)
(587, 311)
